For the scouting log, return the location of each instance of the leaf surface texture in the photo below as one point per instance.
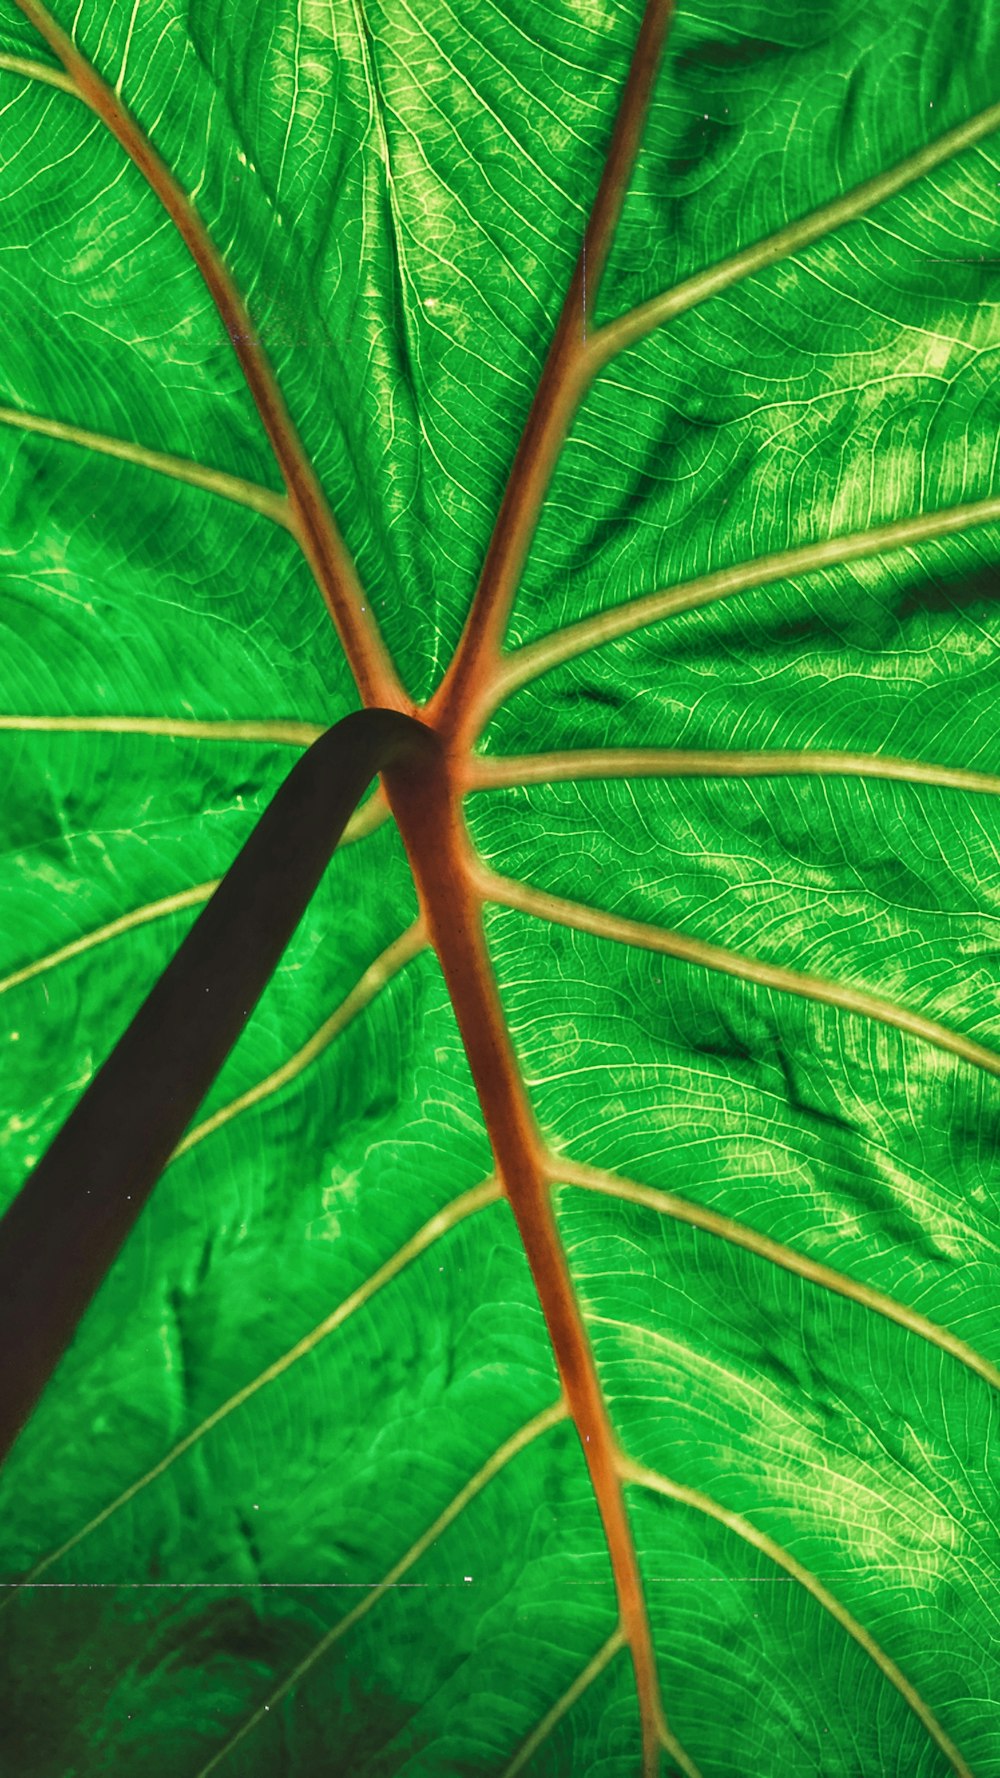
(306, 1493)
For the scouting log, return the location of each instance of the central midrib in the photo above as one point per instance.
(427, 811)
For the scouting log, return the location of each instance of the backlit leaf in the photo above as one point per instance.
(566, 1342)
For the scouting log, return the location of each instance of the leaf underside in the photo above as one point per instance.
(305, 1494)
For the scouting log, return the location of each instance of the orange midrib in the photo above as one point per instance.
(460, 702)
(427, 811)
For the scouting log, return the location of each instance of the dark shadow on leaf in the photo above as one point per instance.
(952, 593)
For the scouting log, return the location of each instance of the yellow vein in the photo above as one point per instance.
(660, 1484)
(292, 734)
(368, 819)
(850, 207)
(312, 522)
(437, 1226)
(375, 977)
(749, 969)
(729, 1229)
(529, 662)
(32, 70)
(672, 1747)
(564, 379)
(363, 822)
(570, 1696)
(488, 772)
(153, 910)
(182, 469)
(512, 1448)
(553, 1717)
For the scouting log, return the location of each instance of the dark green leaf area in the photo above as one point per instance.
(849, 1142)
(862, 1451)
(458, 1667)
(765, 114)
(231, 1266)
(446, 1675)
(98, 840)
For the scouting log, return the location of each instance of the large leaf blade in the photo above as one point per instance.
(847, 1141)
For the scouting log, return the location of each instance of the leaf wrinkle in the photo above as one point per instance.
(533, 659)
(842, 996)
(740, 1234)
(438, 1225)
(794, 237)
(663, 1485)
(505, 1453)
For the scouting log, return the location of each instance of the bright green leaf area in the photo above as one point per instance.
(399, 192)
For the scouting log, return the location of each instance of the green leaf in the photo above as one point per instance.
(566, 1342)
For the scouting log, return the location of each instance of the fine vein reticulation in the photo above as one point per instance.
(312, 522)
(638, 1474)
(736, 963)
(530, 662)
(505, 1453)
(453, 885)
(592, 1671)
(432, 1231)
(182, 469)
(613, 1185)
(367, 819)
(378, 974)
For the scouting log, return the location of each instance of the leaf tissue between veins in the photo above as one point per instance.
(581, 1276)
